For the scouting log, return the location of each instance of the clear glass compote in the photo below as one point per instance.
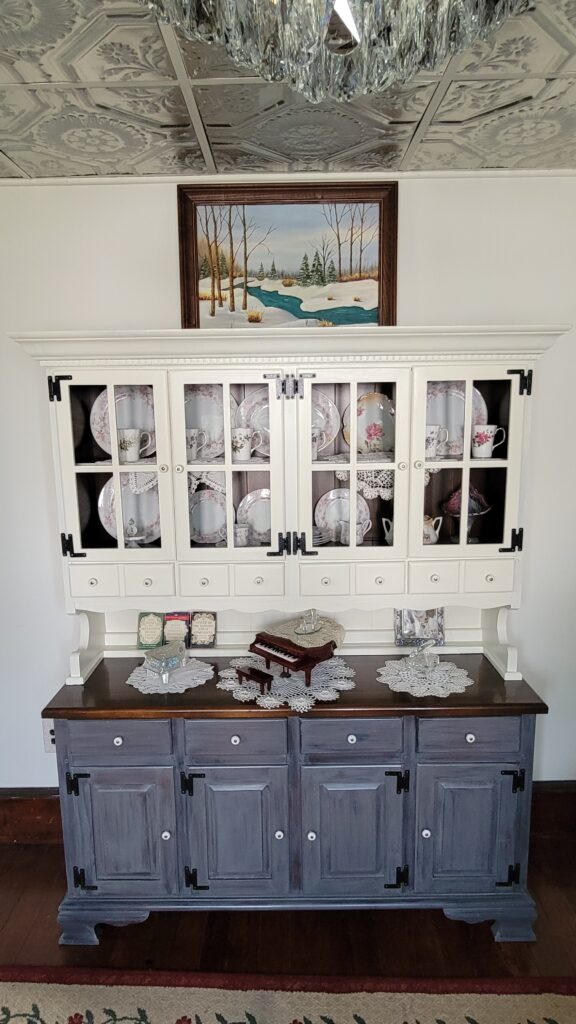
(472, 517)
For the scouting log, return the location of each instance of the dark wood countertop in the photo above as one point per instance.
(106, 695)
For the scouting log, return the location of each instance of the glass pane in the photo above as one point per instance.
(207, 510)
(442, 503)
(250, 427)
(204, 417)
(328, 442)
(486, 506)
(251, 497)
(445, 413)
(375, 508)
(90, 423)
(96, 510)
(490, 419)
(330, 509)
(375, 422)
(135, 423)
(140, 510)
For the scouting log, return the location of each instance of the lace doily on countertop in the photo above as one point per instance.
(440, 681)
(329, 630)
(194, 673)
(327, 680)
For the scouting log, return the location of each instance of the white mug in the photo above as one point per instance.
(431, 529)
(132, 443)
(318, 440)
(435, 435)
(484, 440)
(244, 442)
(196, 439)
(361, 530)
(388, 525)
(241, 536)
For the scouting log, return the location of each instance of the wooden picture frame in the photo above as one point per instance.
(301, 255)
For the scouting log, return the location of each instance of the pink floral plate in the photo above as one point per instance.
(375, 424)
(445, 405)
(204, 408)
(207, 513)
(140, 508)
(334, 507)
(134, 408)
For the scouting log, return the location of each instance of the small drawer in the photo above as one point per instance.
(472, 738)
(434, 577)
(236, 741)
(97, 580)
(259, 580)
(324, 578)
(489, 575)
(110, 742)
(352, 738)
(211, 580)
(140, 580)
(380, 578)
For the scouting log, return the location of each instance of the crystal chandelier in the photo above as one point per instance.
(337, 49)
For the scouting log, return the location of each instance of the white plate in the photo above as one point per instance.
(255, 511)
(445, 405)
(207, 514)
(204, 408)
(376, 424)
(140, 510)
(334, 506)
(134, 408)
(254, 411)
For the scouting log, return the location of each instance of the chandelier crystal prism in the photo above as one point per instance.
(337, 49)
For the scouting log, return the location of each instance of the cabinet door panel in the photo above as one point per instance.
(352, 830)
(238, 831)
(121, 817)
(465, 827)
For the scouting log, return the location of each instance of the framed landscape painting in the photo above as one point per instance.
(288, 255)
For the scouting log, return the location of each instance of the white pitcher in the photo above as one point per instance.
(431, 529)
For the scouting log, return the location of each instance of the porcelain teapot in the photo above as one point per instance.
(388, 530)
(431, 529)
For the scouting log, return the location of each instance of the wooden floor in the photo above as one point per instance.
(387, 943)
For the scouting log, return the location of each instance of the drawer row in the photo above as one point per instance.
(240, 741)
(490, 575)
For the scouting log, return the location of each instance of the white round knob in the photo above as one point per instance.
(402, 465)
(148, 581)
(163, 468)
(204, 581)
(258, 580)
(311, 836)
(325, 581)
(351, 738)
(93, 582)
(234, 740)
(166, 835)
(179, 469)
(379, 580)
(426, 833)
(470, 737)
(118, 741)
(435, 578)
(489, 578)
(279, 834)
(418, 464)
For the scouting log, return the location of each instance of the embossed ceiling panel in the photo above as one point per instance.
(98, 87)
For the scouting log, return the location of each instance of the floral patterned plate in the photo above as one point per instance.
(140, 509)
(134, 408)
(255, 511)
(254, 413)
(445, 405)
(204, 408)
(334, 507)
(375, 424)
(207, 515)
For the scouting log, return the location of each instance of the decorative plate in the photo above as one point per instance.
(445, 405)
(254, 411)
(204, 408)
(334, 506)
(134, 408)
(207, 514)
(376, 424)
(140, 511)
(255, 511)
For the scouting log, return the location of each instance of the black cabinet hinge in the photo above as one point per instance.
(513, 876)
(524, 381)
(191, 880)
(299, 544)
(518, 779)
(402, 878)
(402, 781)
(187, 781)
(284, 545)
(79, 877)
(72, 782)
(54, 392)
(67, 542)
(516, 541)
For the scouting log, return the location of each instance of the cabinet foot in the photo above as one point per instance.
(512, 925)
(82, 928)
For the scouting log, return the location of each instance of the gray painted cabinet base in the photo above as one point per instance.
(296, 813)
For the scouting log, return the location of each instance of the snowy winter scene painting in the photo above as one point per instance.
(286, 264)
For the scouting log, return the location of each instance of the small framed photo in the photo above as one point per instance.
(413, 627)
(202, 629)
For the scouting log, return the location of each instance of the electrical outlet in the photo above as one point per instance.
(48, 733)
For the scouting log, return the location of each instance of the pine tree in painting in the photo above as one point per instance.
(304, 273)
(316, 275)
(273, 275)
(261, 275)
(223, 264)
(331, 275)
(204, 268)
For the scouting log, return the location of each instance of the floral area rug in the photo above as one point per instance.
(75, 996)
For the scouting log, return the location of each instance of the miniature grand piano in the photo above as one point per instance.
(289, 654)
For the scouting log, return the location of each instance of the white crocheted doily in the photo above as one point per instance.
(440, 681)
(327, 680)
(194, 673)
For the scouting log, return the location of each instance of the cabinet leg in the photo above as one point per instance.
(514, 924)
(82, 927)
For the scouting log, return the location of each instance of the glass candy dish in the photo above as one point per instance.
(164, 660)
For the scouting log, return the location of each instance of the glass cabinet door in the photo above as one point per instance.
(229, 464)
(353, 460)
(114, 447)
(465, 470)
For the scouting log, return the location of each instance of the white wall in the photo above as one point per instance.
(472, 250)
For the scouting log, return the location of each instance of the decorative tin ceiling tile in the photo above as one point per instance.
(162, 106)
(209, 61)
(465, 101)
(522, 46)
(377, 158)
(440, 155)
(404, 105)
(7, 168)
(231, 106)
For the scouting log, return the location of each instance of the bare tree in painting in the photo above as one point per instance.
(204, 221)
(335, 216)
(367, 230)
(218, 226)
(250, 234)
(231, 257)
(325, 251)
(352, 232)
